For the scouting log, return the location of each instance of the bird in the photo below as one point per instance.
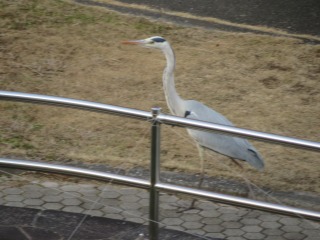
(232, 147)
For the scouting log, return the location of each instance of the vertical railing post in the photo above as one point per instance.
(154, 176)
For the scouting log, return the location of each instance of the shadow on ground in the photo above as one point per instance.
(33, 224)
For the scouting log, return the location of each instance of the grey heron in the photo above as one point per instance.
(233, 147)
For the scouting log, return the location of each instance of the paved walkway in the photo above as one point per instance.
(209, 221)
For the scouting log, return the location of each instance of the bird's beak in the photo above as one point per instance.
(134, 42)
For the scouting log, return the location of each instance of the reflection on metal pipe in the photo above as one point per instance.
(154, 176)
(74, 103)
(240, 132)
(74, 171)
(241, 202)
(221, 198)
(163, 118)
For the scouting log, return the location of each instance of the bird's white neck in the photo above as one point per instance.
(174, 101)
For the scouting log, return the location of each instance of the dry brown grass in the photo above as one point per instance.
(55, 48)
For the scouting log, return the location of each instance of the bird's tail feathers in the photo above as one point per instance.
(255, 160)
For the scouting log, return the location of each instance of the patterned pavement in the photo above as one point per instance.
(208, 221)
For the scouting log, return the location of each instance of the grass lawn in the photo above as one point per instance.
(263, 83)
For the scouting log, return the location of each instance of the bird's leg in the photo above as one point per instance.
(250, 190)
(201, 155)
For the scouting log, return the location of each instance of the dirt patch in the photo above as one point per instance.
(259, 82)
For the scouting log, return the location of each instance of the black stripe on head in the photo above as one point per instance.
(158, 39)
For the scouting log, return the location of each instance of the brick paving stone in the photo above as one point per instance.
(50, 184)
(211, 221)
(15, 204)
(289, 221)
(71, 188)
(177, 228)
(216, 235)
(168, 206)
(110, 202)
(132, 213)
(52, 198)
(197, 232)
(144, 202)
(253, 214)
(274, 238)
(207, 205)
(108, 210)
(172, 221)
(86, 186)
(143, 194)
(12, 191)
(89, 192)
(191, 225)
(214, 220)
(191, 217)
(52, 206)
(210, 213)
(96, 213)
(91, 206)
(169, 213)
(250, 221)
(71, 202)
(311, 238)
(128, 191)
(114, 216)
(306, 224)
(254, 236)
(233, 232)
(242, 212)
(252, 229)
(190, 211)
(109, 194)
(269, 217)
(232, 225)
(229, 217)
(236, 238)
(51, 192)
(311, 232)
(213, 228)
(270, 225)
(272, 232)
(74, 209)
(129, 198)
(183, 203)
(70, 195)
(295, 236)
(13, 198)
(33, 202)
(168, 199)
(32, 194)
(227, 210)
(291, 228)
(30, 187)
(129, 205)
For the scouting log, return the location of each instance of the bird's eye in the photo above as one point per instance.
(151, 42)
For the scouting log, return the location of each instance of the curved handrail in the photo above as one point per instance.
(163, 118)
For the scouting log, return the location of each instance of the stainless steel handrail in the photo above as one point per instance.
(163, 118)
(145, 184)
(155, 185)
(74, 103)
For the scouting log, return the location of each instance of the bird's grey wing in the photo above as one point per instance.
(234, 147)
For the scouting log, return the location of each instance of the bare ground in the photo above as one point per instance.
(264, 83)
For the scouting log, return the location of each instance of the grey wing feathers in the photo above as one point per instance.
(234, 147)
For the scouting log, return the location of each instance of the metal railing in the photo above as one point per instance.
(154, 185)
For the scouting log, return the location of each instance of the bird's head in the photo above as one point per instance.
(152, 42)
